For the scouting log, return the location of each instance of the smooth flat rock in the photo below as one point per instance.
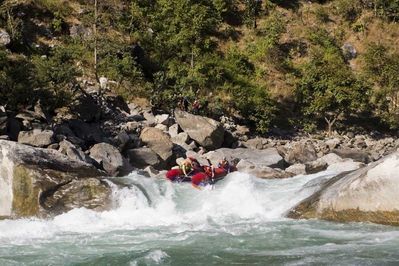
(369, 194)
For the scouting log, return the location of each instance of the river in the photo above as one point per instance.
(238, 222)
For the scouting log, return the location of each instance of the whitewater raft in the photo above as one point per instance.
(209, 176)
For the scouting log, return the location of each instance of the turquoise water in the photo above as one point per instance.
(240, 222)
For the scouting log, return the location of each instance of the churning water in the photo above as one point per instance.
(240, 222)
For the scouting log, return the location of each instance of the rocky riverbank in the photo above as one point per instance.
(51, 164)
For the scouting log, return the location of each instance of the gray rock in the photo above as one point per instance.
(207, 132)
(37, 138)
(143, 157)
(163, 119)
(261, 171)
(149, 117)
(316, 166)
(54, 146)
(346, 165)
(256, 143)
(332, 143)
(122, 140)
(355, 154)
(331, 158)
(5, 38)
(134, 109)
(152, 172)
(134, 142)
(131, 127)
(297, 169)
(349, 51)
(159, 142)
(29, 175)
(162, 127)
(68, 149)
(90, 193)
(181, 138)
(242, 132)
(300, 152)
(267, 157)
(174, 130)
(110, 158)
(368, 194)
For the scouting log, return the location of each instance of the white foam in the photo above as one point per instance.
(159, 203)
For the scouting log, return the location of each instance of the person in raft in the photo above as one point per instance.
(211, 173)
(188, 166)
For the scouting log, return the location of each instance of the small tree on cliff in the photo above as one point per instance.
(327, 89)
(252, 10)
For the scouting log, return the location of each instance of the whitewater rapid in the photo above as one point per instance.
(156, 202)
(241, 221)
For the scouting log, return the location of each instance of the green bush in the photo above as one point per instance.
(381, 69)
(327, 88)
(17, 81)
(56, 74)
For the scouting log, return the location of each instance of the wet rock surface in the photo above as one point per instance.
(29, 175)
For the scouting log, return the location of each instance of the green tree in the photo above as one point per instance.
(17, 81)
(252, 10)
(327, 88)
(56, 74)
(381, 69)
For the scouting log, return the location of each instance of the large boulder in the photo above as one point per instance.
(368, 194)
(90, 193)
(159, 142)
(267, 157)
(207, 132)
(300, 152)
(143, 157)
(29, 176)
(110, 158)
(67, 148)
(261, 171)
(355, 154)
(36, 137)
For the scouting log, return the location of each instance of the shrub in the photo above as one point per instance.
(56, 74)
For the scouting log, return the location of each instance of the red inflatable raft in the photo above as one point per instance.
(209, 175)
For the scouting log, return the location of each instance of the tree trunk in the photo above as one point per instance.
(95, 39)
(330, 124)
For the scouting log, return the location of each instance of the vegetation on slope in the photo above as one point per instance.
(274, 63)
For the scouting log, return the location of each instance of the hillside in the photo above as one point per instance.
(273, 63)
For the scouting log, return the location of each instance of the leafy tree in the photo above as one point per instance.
(16, 81)
(252, 10)
(327, 88)
(381, 69)
(56, 74)
(267, 46)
